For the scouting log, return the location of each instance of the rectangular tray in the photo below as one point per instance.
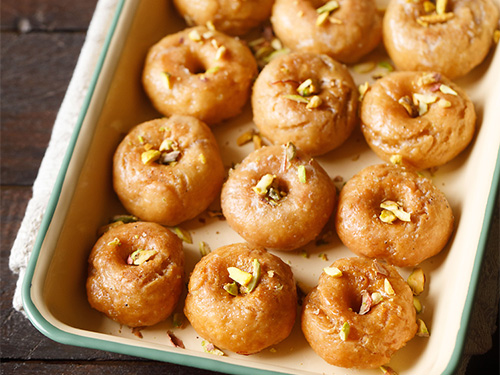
(83, 200)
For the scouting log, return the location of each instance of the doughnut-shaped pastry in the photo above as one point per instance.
(390, 212)
(242, 318)
(136, 273)
(451, 40)
(199, 72)
(360, 316)
(345, 32)
(233, 17)
(308, 99)
(423, 117)
(168, 170)
(278, 198)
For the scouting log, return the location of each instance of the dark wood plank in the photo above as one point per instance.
(48, 15)
(35, 73)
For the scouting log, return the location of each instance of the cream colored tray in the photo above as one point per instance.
(54, 289)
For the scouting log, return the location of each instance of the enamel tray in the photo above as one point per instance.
(83, 200)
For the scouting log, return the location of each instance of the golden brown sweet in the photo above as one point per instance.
(233, 17)
(136, 273)
(168, 170)
(421, 116)
(243, 319)
(391, 212)
(360, 317)
(451, 40)
(305, 98)
(278, 198)
(345, 32)
(199, 72)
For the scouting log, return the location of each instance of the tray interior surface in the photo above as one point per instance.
(87, 202)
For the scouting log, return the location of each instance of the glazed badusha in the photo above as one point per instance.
(136, 273)
(451, 41)
(393, 213)
(360, 318)
(305, 98)
(168, 170)
(421, 116)
(233, 17)
(199, 72)
(346, 33)
(278, 198)
(242, 321)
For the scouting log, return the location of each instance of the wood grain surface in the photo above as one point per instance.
(40, 44)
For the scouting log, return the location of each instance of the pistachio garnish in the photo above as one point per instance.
(301, 173)
(408, 104)
(140, 138)
(387, 216)
(241, 277)
(140, 256)
(255, 277)
(344, 331)
(245, 138)
(362, 89)
(428, 78)
(210, 348)
(290, 151)
(366, 303)
(332, 271)
(443, 103)
(380, 268)
(434, 18)
(314, 102)
(257, 141)
(417, 304)
(204, 248)
(125, 218)
(183, 234)
(386, 370)
(202, 158)
(267, 187)
(376, 298)
(231, 288)
(114, 242)
(297, 98)
(325, 11)
(221, 51)
(150, 156)
(447, 90)
(388, 287)
(264, 183)
(168, 80)
(422, 329)
(308, 87)
(441, 6)
(194, 35)
(423, 102)
(416, 281)
(429, 6)
(364, 67)
(178, 320)
(396, 159)
(496, 36)
(396, 209)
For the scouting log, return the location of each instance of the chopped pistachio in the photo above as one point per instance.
(396, 159)
(245, 138)
(210, 348)
(140, 256)
(241, 277)
(328, 7)
(427, 99)
(332, 271)
(212, 70)
(301, 173)
(443, 103)
(386, 65)
(395, 208)
(314, 102)
(255, 277)
(388, 288)
(435, 18)
(150, 156)
(364, 67)
(178, 320)
(169, 157)
(322, 18)
(291, 151)
(296, 98)
(441, 6)
(264, 183)
(362, 89)
(387, 216)
(416, 281)
(168, 145)
(202, 158)
(125, 218)
(257, 141)
(417, 304)
(422, 329)
(183, 234)
(366, 303)
(344, 331)
(276, 44)
(221, 51)
(427, 78)
(376, 298)
(231, 288)
(194, 35)
(141, 139)
(204, 248)
(308, 87)
(210, 25)
(496, 36)
(273, 350)
(323, 256)
(379, 268)
(447, 90)
(168, 80)
(114, 242)
(409, 105)
(386, 370)
(429, 6)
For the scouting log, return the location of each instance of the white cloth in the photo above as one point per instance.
(63, 128)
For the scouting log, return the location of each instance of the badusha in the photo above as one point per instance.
(393, 213)
(305, 98)
(135, 274)
(168, 170)
(360, 313)
(242, 298)
(278, 197)
(199, 72)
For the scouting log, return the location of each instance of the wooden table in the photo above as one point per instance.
(41, 41)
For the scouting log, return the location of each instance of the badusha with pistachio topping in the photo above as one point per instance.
(278, 197)
(242, 298)
(168, 170)
(308, 99)
(135, 273)
(199, 72)
(360, 313)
